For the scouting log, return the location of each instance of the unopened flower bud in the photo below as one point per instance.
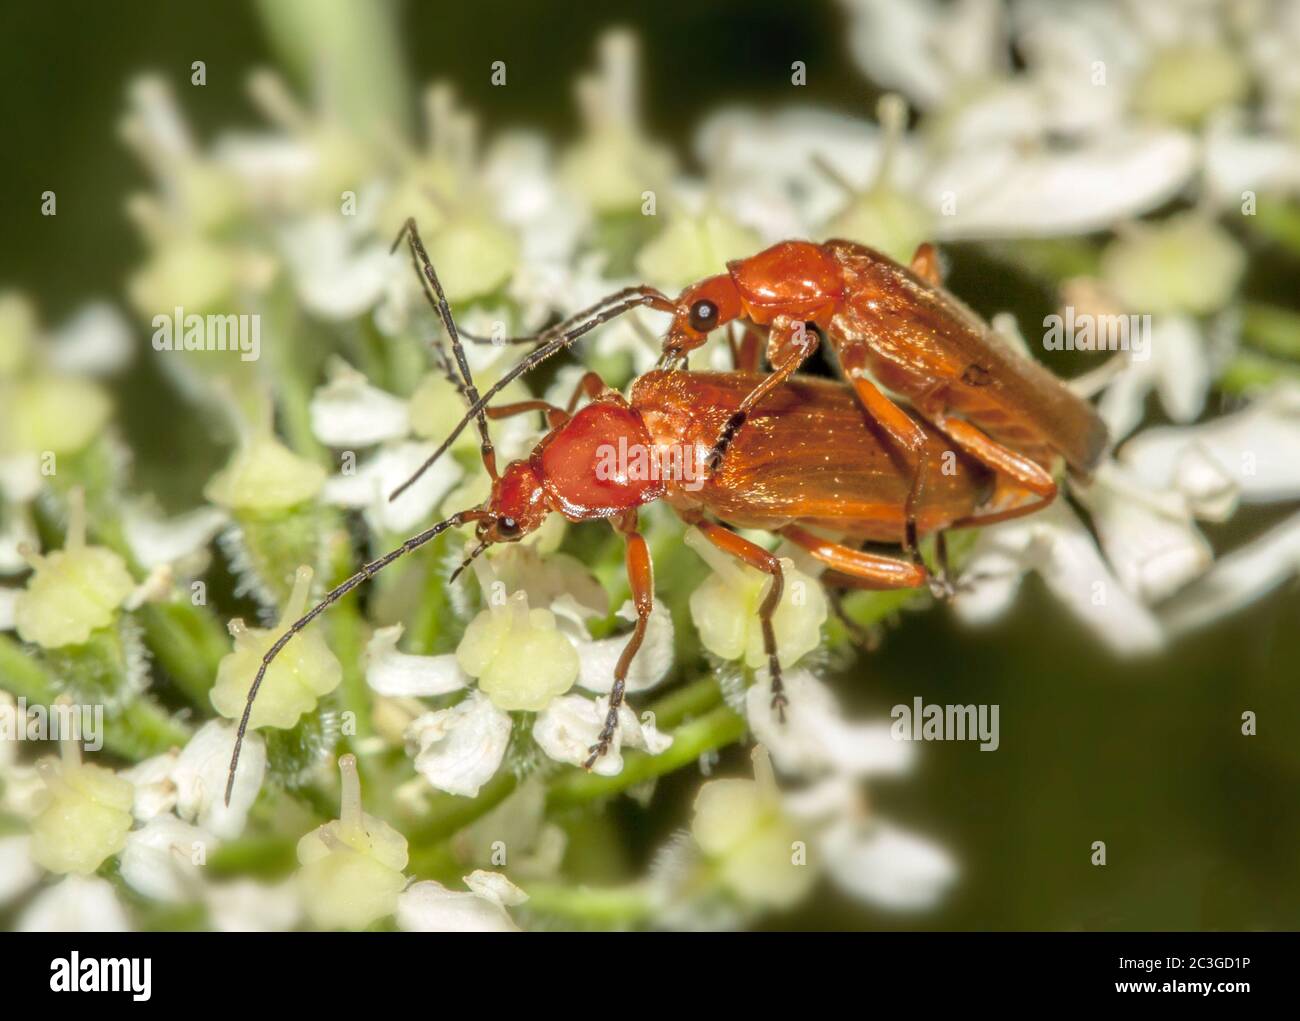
(725, 608)
(74, 591)
(521, 659)
(352, 867)
(87, 817)
(299, 676)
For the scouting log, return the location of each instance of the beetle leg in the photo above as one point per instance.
(866, 638)
(908, 435)
(755, 556)
(521, 407)
(925, 264)
(640, 575)
(880, 572)
(1003, 460)
(1006, 514)
(788, 333)
(590, 386)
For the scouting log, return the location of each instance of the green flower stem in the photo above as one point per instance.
(138, 731)
(1271, 330)
(347, 50)
(188, 643)
(608, 905)
(450, 813)
(266, 857)
(693, 699)
(714, 730)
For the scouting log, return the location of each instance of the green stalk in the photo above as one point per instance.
(187, 643)
(607, 905)
(451, 814)
(717, 729)
(347, 50)
(138, 731)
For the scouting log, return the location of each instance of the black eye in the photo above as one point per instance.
(704, 316)
(507, 527)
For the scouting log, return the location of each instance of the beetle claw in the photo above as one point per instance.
(779, 702)
(597, 750)
(941, 588)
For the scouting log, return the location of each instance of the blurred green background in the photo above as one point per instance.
(1201, 824)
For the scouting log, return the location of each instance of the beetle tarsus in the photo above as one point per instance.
(600, 748)
(779, 703)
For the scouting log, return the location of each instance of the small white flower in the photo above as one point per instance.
(1238, 579)
(1178, 369)
(940, 188)
(337, 274)
(597, 659)
(430, 907)
(1006, 191)
(399, 674)
(1054, 543)
(245, 905)
(928, 50)
(882, 864)
(369, 486)
(494, 887)
(77, 904)
(1148, 535)
(96, 341)
(20, 482)
(348, 411)
(867, 857)
(1239, 159)
(181, 540)
(155, 790)
(200, 778)
(459, 749)
(1254, 450)
(18, 871)
(815, 737)
(567, 728)
(164, 858)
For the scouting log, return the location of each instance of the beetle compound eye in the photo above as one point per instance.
(507, 527)
(704, 316)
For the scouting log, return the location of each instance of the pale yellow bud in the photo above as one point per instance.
(352, 867)
(303, 672)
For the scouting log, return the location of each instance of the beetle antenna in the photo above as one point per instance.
(468, 560)
(329, 599)
(640, 296)
(567, 323)
(437, 298)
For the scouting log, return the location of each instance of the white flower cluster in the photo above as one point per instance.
(1116, 113)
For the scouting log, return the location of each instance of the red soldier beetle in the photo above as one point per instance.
(903, 328)
(821, 470)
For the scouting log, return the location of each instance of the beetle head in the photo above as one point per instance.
(516, 507)
(701, 309)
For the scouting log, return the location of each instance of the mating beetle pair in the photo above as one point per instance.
(793, 456)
